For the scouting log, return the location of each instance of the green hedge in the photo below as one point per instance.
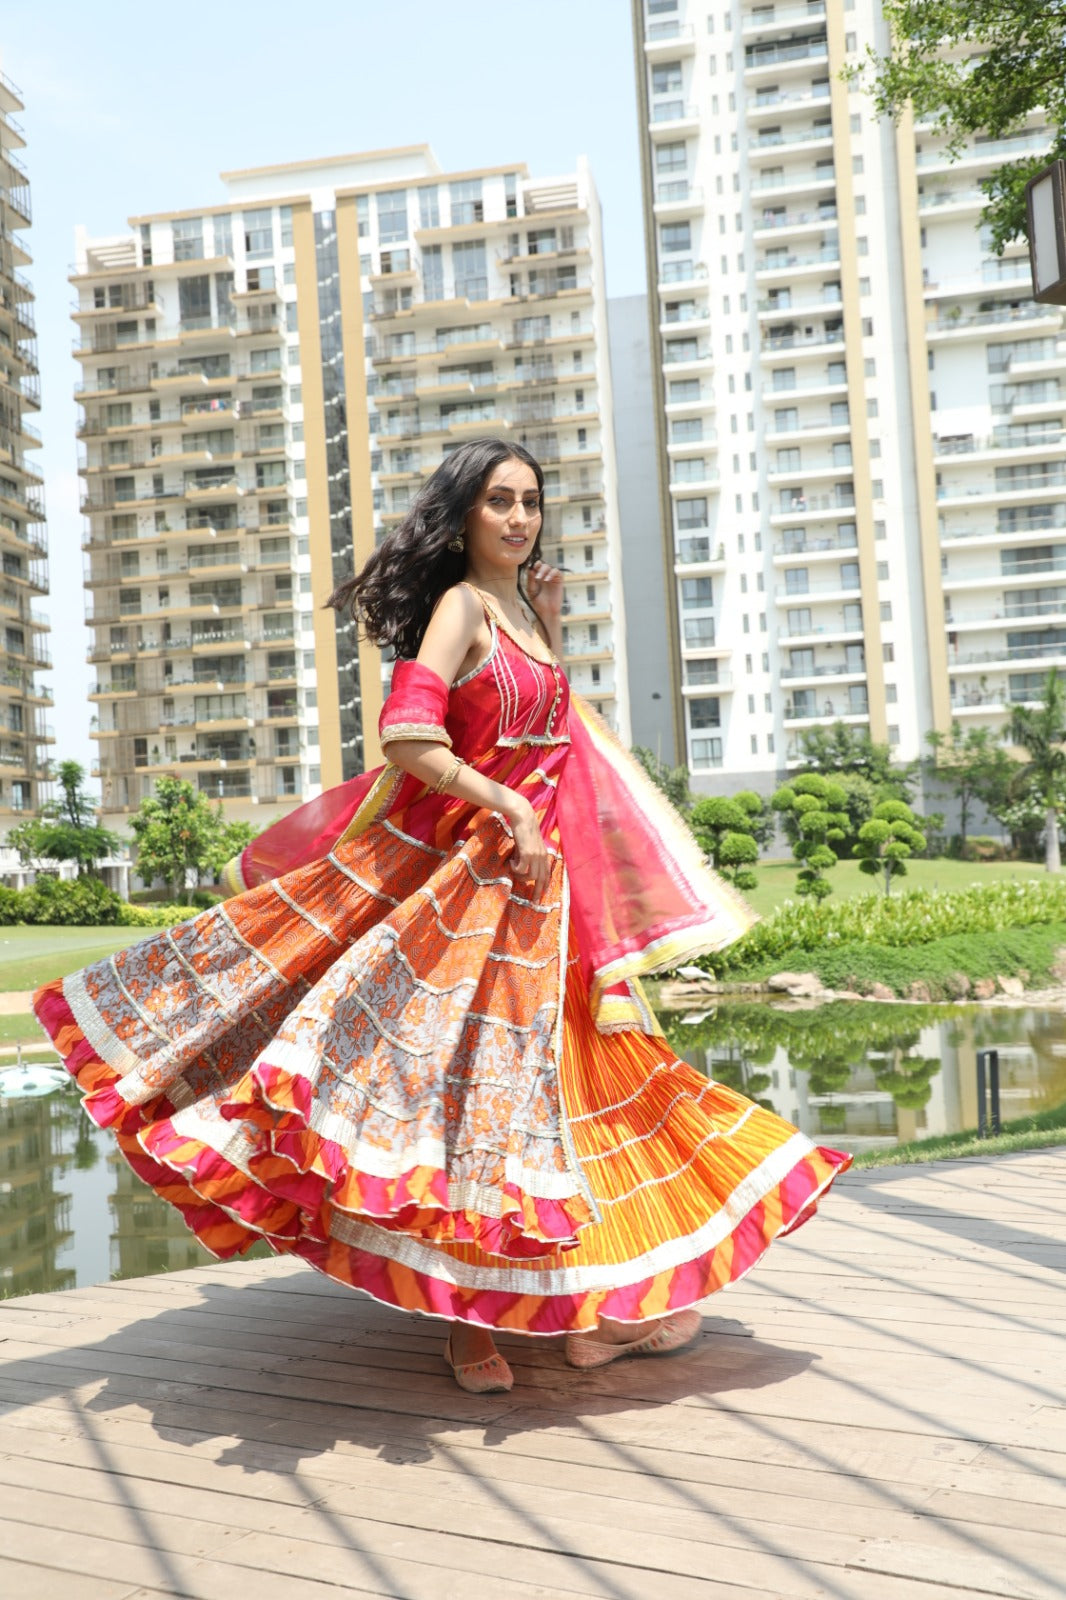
(917, 917)
(941, 965)
(84, 903)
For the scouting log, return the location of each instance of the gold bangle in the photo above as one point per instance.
(448, 776)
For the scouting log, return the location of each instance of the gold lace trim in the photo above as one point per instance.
(431, 732)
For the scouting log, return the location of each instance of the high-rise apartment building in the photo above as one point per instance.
(24, 735)
(860, 430)
(266, 383)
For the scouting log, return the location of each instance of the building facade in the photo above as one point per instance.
(858, 436)
(266, 383)
(24, 734)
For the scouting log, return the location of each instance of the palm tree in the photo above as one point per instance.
(1041, 733)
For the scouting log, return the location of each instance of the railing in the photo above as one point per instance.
(1033, 438)
(778, 140)
(777, 55)
(987, 149)
(1027, 652)
(839, 541)
(797, 711)
(808, 179)
(764, 99)
(794, 219)
(673, 111)
(800, 341)
(1056, 478)
(839, 669)
(828, 255)
(815, 502)
(984, 319)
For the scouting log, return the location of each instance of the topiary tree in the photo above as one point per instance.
(725, 830)
(815, 820)
(887, 842)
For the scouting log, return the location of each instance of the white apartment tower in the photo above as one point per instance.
(266, 382)
(24, 736)
(860, 430)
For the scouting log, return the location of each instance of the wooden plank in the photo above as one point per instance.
(24, 1580)
(881, 1408)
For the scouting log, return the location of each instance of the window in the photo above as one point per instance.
(696, 594)
(674, 236)
(189, 239)
(471, 273)
(429, 207)
(671, 157)
(223, 228)
(285, 214)
(692, 514)
(433, 272)
(258, 233)
(666, 78)
(392, 215)
(704, 712)
(467, 204)
(706, 752)
(683, 389)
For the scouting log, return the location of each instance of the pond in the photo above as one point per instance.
(853, 1075)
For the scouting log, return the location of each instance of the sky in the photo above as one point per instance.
(132, 110)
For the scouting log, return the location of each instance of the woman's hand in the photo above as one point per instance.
(544, 586)
(530, 857)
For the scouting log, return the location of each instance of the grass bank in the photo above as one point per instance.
(948, 968)
(777, 879)
(1037, 1132)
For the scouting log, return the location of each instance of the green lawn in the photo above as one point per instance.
(777, 879)
(32, 956)
(22, 1029)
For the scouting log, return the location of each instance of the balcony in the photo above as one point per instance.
(801, 710)
(808, 544)
(673, 116)
(797, 54)
(1005, 316)
(808, 343)
(1014, 488)
(835, 669)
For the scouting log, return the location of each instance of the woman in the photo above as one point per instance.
(413, 1048)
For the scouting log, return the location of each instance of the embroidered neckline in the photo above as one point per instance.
(505, 627)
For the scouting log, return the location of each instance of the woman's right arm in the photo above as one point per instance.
(457, 625)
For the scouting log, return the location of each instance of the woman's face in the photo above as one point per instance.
(504, 521)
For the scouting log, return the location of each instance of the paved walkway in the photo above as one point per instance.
(878, 1412)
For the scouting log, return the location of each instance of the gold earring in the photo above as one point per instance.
(458, 544)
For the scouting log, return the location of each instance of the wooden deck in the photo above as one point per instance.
(879, 1411)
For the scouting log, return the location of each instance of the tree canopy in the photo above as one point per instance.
(816, 821)
(888, 840)
(1041, 733)
(66, 828)
(181, 836)
(971, 67)
(725, 829)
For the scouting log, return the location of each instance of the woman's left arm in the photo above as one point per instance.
(544, 586)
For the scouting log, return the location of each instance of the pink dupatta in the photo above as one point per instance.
(642, 898)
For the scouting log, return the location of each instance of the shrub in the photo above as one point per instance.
(10, 906)
(85, 902)
(916, 917)
(166, 916)
(980, 847)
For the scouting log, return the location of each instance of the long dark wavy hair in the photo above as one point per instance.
(392, 598)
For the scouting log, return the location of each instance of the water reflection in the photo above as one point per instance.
(72, 1212)
(870, 1075)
